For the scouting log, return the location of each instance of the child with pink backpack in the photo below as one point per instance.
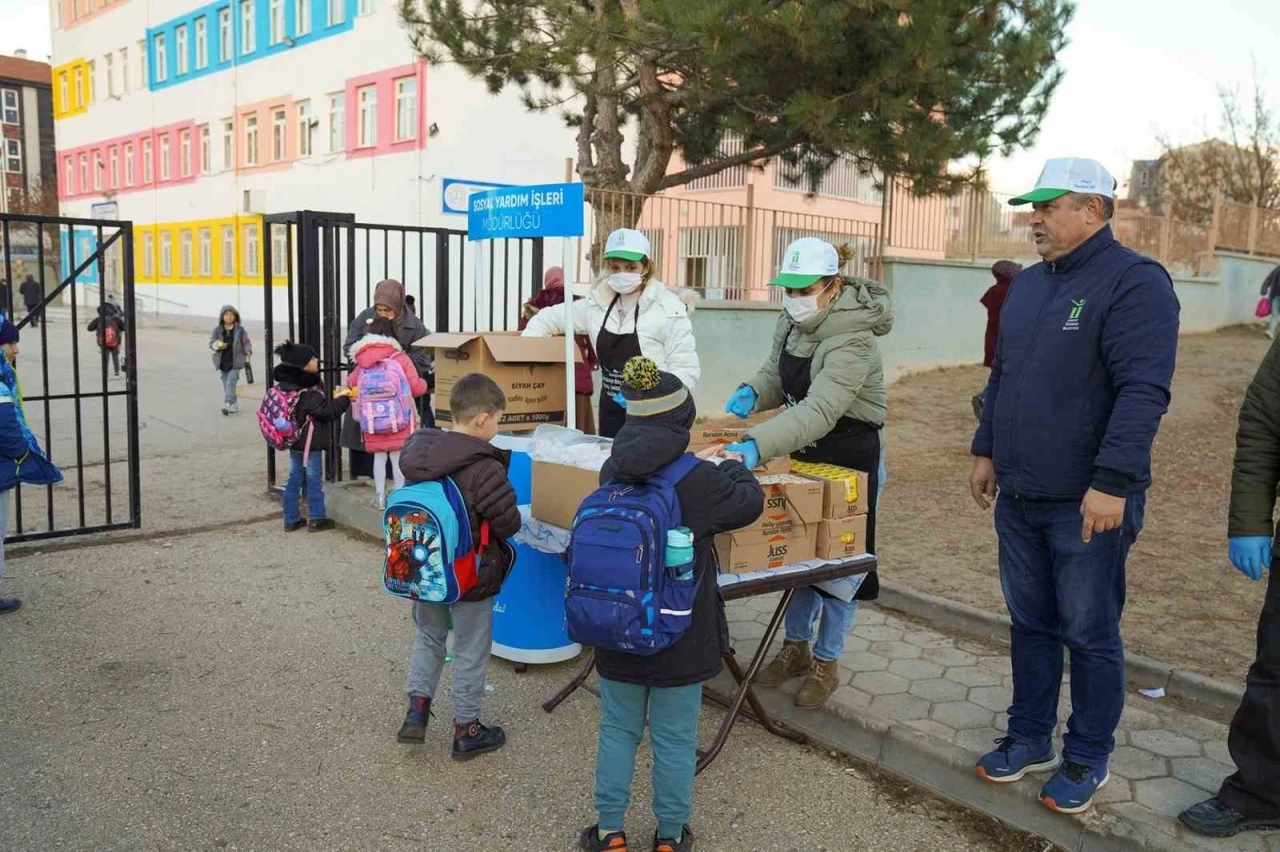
(386, 384)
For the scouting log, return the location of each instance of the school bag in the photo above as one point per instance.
(109, 335)
(620, 594)
(384, 400)
(430, 554)
(278, 422)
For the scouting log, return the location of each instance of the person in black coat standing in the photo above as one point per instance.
(299, 370)
(32, 296)
(665, 690)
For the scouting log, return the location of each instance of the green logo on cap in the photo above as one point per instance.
(795, 257)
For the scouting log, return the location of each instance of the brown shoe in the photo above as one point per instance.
(792, 661)
(823, 680)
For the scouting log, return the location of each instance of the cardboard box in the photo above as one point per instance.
(719, 431)
(847, 491)
(790, 505)
(530, 371)
(558, 490)
(744, 551)
(843, 538)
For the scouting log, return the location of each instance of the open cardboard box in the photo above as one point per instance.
(847, 492)
(530, 371)
(558, 490)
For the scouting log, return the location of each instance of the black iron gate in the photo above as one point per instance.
(320, 270)
(82, 413)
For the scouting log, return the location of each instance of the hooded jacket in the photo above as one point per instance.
(664, 329)
(241, 346)
(21, 459)
(391, 294)
(372, 349)
(1082, 374)
(480, 471)
(713, 500)
(846, 369)
(109, 314)
(313, 402)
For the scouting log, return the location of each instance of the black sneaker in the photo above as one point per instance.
(684, 844)
(295, 526)
(8, 605)
(590, 841)
(1215, 818)
(414, 727)
(473, 739)
(322, 524)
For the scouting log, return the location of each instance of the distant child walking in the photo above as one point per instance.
(663, 691)
(231, 349)
(479, 469)
(386, 385)
(299, 373)
(109, 324)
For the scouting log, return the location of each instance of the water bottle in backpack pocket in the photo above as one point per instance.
(384, 399)
(621, 595)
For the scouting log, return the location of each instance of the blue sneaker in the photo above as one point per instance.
(1071, 791)
(1012, 760)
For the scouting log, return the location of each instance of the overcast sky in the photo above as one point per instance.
(1135, 70)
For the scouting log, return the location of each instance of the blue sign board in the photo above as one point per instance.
(548, 210)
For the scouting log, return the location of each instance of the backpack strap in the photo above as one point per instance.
(674, 473)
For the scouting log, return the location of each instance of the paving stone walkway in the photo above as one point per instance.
(957, 690)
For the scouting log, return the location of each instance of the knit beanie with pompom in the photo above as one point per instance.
(655, 396)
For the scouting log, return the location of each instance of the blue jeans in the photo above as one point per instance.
(672, 716)
(293, 487)
(229, 381)
(1275, 315)
(837, 621)
(1063, 592)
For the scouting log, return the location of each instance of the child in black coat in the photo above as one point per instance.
(299, 370)
(109, 324)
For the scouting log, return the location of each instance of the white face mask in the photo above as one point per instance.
(624, 282)
(803, 308)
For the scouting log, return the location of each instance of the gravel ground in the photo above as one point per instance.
(240, 690)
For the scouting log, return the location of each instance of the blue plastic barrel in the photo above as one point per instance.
(528, 614)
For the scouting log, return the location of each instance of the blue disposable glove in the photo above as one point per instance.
(620, 399)
(748, 450)
(742, 403)
(1250, 554)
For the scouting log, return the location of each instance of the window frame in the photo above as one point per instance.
(367, 116)
(160, 73)
(166, 254)
(13, 156)
(186, 253)
(127, 154)
(337, 122)
(113, 166)
(97, 170)
(275, 15)
(6, 111)
(148, 254)
(181, 43)
(148, 162)
(251, 144)
(337, 12)
(248, 23)
(279, 134)
(184, 153)
(251, 238)
(226, 36)
(202, 42)
(228, 144)
(228, 251)
(206, 150)
(412, 105)
(206, 252)
(302, 17)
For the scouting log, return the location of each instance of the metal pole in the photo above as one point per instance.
(571, 400)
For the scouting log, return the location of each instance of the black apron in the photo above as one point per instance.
(613, 351)
(851, 443)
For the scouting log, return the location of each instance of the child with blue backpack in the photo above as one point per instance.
(479, 470)
(662, 690)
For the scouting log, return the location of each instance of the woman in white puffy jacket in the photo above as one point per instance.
(628, 313)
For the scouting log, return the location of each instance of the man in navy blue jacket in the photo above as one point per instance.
(1079, 383)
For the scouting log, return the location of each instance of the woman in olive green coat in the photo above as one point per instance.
(825, 366)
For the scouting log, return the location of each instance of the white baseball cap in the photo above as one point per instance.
(1069, 174)
(627, 244)
(807, 260)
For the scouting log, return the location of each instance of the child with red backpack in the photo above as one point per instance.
(295, 415)
(109, 324)
(386, 386)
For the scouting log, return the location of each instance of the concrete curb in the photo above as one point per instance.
(1141, 672)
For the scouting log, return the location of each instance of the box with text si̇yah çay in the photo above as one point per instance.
(530, 371)
(846, 490)
(744, 551)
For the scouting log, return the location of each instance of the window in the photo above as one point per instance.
(206, 154)
(406, 109)
(303, 17)
(64, 93)
(161, 70)
(180, 47)
(251, 140)
(246, 26)
(202, 42)
(84, 172)
(184, 253)
(228, 251)
(166, 254)
(146, 161)
(142, 63)
(113, 159)
(184, 153)
(69, 175)
(251, 250)
(13, 156)
(279, 251)
(206, 252)
(80, 90)
(148, 254)
(228, 144)
(128, 164)
(367, 7)
(97, 171)
(108, 68)
(304, 128)
(337, 122)
(91, 71)
(337, 11)
(277, 21)
(224, 35)
(9, 106)
(279, 128)
(368, 99)
(166, 163)
(124, 70)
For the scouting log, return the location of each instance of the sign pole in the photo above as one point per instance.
(570, 378)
